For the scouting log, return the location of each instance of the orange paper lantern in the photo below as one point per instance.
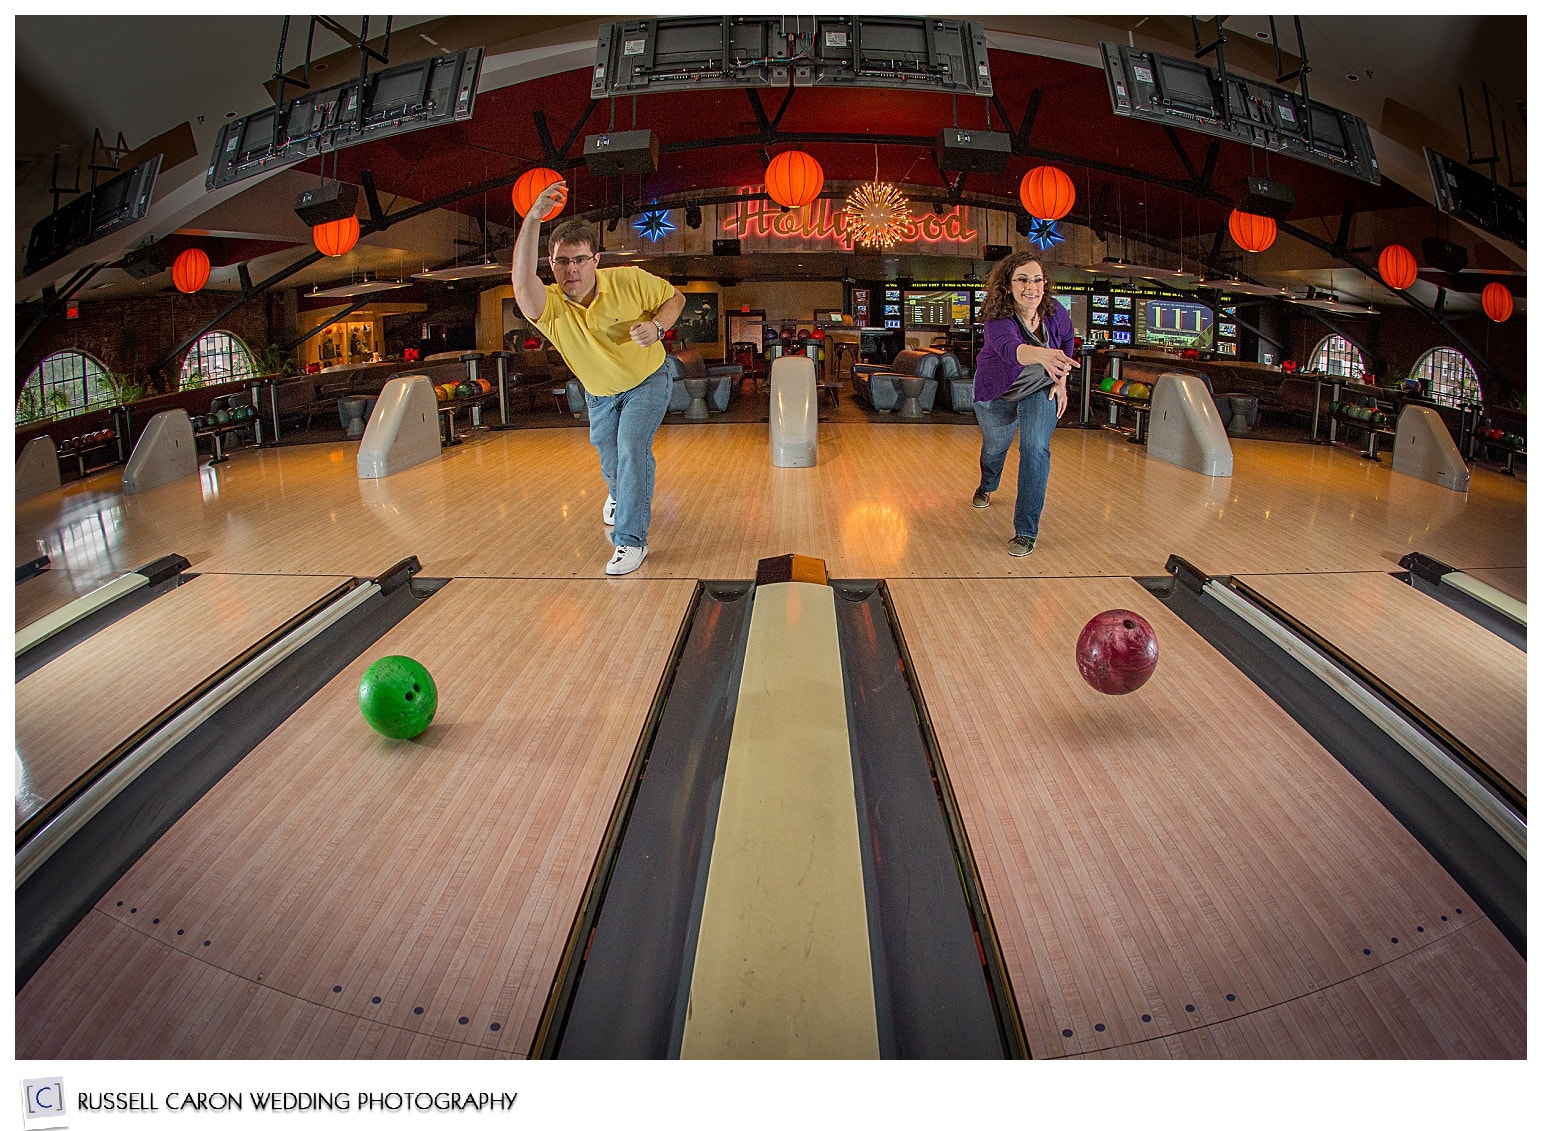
(1047, 192)
(1252, 232)
(794, 178)
(1497, 302)
(531, 184)
(1397, 266)
(190, 271)
(336, 237)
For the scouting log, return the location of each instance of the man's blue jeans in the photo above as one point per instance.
(621, 429)
(1033, 419)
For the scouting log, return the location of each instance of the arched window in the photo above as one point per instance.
(1337, 356)
(66, 383)
(1452, 379)
(216, 357)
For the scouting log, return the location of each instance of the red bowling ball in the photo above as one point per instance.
(1116, 652)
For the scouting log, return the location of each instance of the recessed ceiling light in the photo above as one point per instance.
(321, 66)
(1261, 34)
(1352, 77)
(230, 113)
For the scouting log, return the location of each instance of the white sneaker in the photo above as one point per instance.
(610, 511)
(626, 560)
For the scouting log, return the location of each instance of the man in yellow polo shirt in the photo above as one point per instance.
(608, 324)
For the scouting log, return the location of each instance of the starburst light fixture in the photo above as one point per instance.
(876, 214)
(654, 223)
(1044, 233)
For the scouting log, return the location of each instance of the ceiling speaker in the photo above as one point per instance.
(325, 203)
(143, 262)
(1443, 255)
(632, 151)
(1268, 198)
(973, 151)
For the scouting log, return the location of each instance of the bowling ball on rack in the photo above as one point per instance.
(1140, 391)
(222, 416)
(1106, 384)
(1116, 652)
(397, 697)
(439, 394)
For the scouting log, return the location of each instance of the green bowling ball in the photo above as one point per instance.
(397, 697)
(222, 416)
(1106, 384)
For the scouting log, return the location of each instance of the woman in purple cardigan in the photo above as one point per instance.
(1024, 326)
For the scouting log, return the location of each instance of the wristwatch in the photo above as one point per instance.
(657, 325)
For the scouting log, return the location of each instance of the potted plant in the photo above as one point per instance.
(274, 362)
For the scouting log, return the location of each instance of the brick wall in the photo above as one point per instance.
(1398, 338)
(130, 335)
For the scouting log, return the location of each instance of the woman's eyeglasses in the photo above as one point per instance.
(1023, 280)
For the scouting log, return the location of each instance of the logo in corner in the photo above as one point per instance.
(43, 1103)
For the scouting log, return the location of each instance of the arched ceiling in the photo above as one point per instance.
(1146, 192)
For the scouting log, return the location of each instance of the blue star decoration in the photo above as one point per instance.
(1044, 233)
(654, 224)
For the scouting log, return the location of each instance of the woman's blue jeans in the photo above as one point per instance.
(1033, 419)
(621, 429)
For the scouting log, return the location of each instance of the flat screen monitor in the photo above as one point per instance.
(257, 136)
(1099, 318)
(932, 310)
(1227, 348)
(1173, 322)
(1100, 302)
(1120, 337)
(1328, 131)
(1226, 329)
(1188, 86)
(1122, 302)
(1076, 307)
(398, 91)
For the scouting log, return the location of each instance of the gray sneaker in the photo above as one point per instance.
(1021, 546)
(982, 498)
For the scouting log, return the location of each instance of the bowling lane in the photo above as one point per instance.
(1184, 865)
(74, 710)
(342, 894)
(1458, 673)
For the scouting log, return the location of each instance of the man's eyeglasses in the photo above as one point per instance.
(1024, 279)
(562, 262)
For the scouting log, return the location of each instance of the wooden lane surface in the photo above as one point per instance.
(78, 707)
(886, 500)
(1186, 852)
(440, 875)
(1457, 672)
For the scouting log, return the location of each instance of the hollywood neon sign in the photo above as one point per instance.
(824, 220)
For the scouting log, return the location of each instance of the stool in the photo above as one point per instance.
(559, 396)
(696, 389)
(1241, 406)
(353, 412)
(910, 388)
